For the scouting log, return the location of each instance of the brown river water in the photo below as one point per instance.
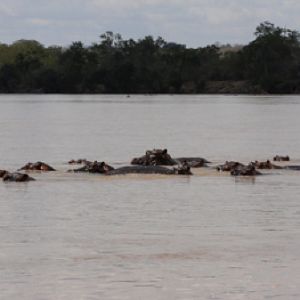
(208, 236)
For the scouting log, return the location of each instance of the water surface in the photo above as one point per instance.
(209, 236)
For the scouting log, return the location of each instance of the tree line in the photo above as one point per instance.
(268, 64)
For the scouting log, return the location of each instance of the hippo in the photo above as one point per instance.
(193, 162)
(17, 177)
(94, 167)
(281, 158)
(268, 165)
(161, 157)
(155, 157)
(230, 166)
(79, 161)
(3, 173)
(181, 170)
(37, 166)
(245, 171)
(265, 165)
(293, 168)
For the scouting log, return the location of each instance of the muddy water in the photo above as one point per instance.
(209, 236)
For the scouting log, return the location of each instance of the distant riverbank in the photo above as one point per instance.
(267, 65)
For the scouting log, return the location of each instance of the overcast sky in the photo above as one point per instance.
(191, 22)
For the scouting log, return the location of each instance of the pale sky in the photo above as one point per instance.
(191, 22)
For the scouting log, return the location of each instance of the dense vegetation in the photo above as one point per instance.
(269, 64)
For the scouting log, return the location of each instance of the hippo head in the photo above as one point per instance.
(184, 169)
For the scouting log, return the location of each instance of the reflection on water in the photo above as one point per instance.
(210, 236)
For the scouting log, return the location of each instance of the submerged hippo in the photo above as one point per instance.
(155, 157)
(193, 162)
(3, 173)
(182, 170)
(37, 166)
(249, 170)
(79, 161)
(294, 168)
(281, 158)
(94, 167)
(17, 177)
(268, 165)
(265, 165)
(230, 166)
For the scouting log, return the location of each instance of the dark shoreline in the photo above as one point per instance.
(152, 94)
(210, 88)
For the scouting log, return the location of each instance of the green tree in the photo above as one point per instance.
(272, 59)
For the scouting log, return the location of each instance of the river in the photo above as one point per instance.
(208, 236)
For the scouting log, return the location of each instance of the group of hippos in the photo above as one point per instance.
(157, 161)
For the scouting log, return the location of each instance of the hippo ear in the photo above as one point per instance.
(165, 151)
(102, 164)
